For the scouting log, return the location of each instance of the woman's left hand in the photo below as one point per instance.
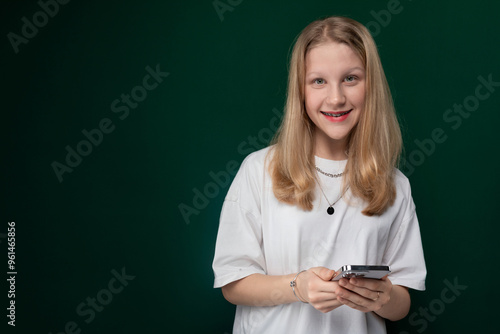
(364, 294)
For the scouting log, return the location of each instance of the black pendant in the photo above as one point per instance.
(330, 211)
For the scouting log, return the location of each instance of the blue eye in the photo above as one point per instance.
(319, 81)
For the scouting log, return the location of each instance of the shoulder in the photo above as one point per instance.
(256, 163)
(401, 181)
(251, 175)
(258, 158)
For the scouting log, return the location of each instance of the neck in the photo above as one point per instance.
(327, 148)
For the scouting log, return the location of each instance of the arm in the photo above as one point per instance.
(260, 290)
(380, 296)
(398, 306)
(313, 286)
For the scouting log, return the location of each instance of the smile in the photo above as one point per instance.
(336, 114)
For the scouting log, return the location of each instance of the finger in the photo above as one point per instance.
(351, 304)
(316, 282)
(368, 283)
(322, 297)
(328, 305)
(327, 286)
(309, 285)
(324, 273)
(362, 291)
(325, 302)
(351, 298)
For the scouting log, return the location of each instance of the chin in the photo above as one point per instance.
(337, 136)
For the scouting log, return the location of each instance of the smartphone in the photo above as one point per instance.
(376, 272)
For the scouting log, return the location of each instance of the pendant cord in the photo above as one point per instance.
(338, 199)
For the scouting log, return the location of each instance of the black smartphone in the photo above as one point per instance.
(348, 271)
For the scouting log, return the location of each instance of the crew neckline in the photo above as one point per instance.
(332, 165)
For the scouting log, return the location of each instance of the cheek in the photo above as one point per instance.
(356, 97)
(360, 97)
(312, 99)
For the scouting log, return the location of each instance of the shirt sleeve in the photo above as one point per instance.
(238, 250)
(404, 252)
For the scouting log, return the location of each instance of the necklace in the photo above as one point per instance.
(330, 209)
(329, 174)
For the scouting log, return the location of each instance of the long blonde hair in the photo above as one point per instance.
(374, 144)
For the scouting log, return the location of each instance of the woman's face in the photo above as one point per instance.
(334, 95)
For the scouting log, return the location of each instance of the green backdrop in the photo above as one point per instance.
(121, 122)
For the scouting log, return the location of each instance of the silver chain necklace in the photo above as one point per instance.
(330, 209)
(329, 174)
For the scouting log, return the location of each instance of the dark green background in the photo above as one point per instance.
(119, 207)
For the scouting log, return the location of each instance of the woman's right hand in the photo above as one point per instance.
(315, 287)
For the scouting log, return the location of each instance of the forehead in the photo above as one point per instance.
(331, 55)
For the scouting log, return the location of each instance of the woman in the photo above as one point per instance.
(326, 194)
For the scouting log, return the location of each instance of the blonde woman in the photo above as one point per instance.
(326, 194)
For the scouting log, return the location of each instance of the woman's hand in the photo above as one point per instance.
(315, 287)
(364, 294)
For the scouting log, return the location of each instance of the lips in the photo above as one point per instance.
(335, 113)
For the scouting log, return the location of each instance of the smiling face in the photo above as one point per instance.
(334, 96)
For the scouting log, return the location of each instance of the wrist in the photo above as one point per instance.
(294, 286)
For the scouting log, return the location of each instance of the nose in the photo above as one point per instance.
(336, 95)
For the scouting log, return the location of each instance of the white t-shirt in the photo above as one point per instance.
(259, 234)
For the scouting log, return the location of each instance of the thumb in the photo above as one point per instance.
(324, 273)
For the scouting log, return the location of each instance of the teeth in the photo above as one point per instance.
(335, 115)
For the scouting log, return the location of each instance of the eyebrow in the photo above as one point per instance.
(349, 70)
(357, 68)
